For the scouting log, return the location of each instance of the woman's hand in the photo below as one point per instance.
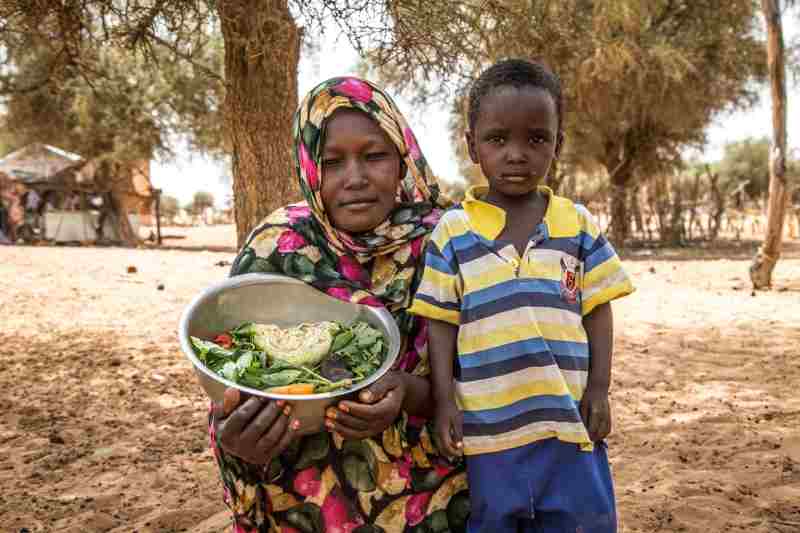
(256, 431)
(380, 405)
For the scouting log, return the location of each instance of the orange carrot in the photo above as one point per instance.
(297, 388)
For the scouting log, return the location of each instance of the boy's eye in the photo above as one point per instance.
(538, 139)
(496, 139)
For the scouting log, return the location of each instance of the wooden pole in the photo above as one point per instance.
(770, 250)
(157, 192)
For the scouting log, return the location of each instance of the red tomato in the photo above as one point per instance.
(224, 340)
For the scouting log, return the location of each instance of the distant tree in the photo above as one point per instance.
(642, 80)
(202, 200)
(262, 42)
(123, 110)
(746, 161)
(169, 206)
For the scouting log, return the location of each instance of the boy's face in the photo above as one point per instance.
(515, 138)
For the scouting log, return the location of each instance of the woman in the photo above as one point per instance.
(370, 202)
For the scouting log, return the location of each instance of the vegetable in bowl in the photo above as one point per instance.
(310, 358)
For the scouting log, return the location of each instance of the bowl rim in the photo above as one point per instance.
(245, 280)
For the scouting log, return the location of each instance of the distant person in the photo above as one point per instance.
(32, 200)
(517, 286)
(72, 202)
(371, 200)
(4, 224)
(10, 194)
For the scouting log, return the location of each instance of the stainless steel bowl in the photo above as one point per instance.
(274, 299)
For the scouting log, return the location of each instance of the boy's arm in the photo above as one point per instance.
(418, 398)
(442, 338)
(442, 346)
(595, 409)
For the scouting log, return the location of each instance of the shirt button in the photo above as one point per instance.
(515, 263)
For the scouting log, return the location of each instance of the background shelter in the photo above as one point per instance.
(84, 200)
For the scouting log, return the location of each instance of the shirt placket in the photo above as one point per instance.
(509, 254)
(537, 238)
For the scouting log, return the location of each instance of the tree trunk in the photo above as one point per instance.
(636, 206)
(767, 256)
(675, 235)
(262, 50)
(620, 215)
(718, 203)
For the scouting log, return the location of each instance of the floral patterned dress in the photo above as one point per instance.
(396, 481)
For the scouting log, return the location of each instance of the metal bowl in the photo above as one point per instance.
(284, 301)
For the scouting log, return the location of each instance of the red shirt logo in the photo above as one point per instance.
(569, 279)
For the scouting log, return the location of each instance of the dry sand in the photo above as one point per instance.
(104, 425)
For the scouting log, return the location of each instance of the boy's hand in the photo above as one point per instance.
(596, 412)
(448, 429)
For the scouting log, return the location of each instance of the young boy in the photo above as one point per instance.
(517, 285)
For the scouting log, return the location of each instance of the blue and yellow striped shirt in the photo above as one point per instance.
(523, 355)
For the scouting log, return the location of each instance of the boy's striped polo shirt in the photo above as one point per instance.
(523, 356)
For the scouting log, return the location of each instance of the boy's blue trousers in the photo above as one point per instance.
(548, 486)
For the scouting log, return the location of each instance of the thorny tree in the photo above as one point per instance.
(642, 79)
(262, 41)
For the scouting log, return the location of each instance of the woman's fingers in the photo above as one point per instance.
(378, 390)
(346, 432)
(285, 439)
(230, 401)
(357, 421)
(343, 419)
(278, 436)
(263, 421)
(234, 424)
(256, 430)
(389, 405)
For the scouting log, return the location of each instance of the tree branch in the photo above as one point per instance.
(183, 55)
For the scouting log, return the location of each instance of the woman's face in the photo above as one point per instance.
(360, 172)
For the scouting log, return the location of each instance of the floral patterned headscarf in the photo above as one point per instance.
(378, 267)
(418, 192)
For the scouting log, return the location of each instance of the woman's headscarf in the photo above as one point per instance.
(378, 267)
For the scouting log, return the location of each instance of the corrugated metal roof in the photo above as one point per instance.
(38, 162)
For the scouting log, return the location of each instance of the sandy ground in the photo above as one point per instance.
(220, 238)
(103, 428)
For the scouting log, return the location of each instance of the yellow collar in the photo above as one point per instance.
(561, 217)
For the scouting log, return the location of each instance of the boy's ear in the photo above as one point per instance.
(473, 153)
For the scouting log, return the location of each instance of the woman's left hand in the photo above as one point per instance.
(379, 405)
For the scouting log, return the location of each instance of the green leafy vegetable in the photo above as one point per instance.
(359, 347)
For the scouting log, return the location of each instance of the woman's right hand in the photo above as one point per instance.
(256, 430)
